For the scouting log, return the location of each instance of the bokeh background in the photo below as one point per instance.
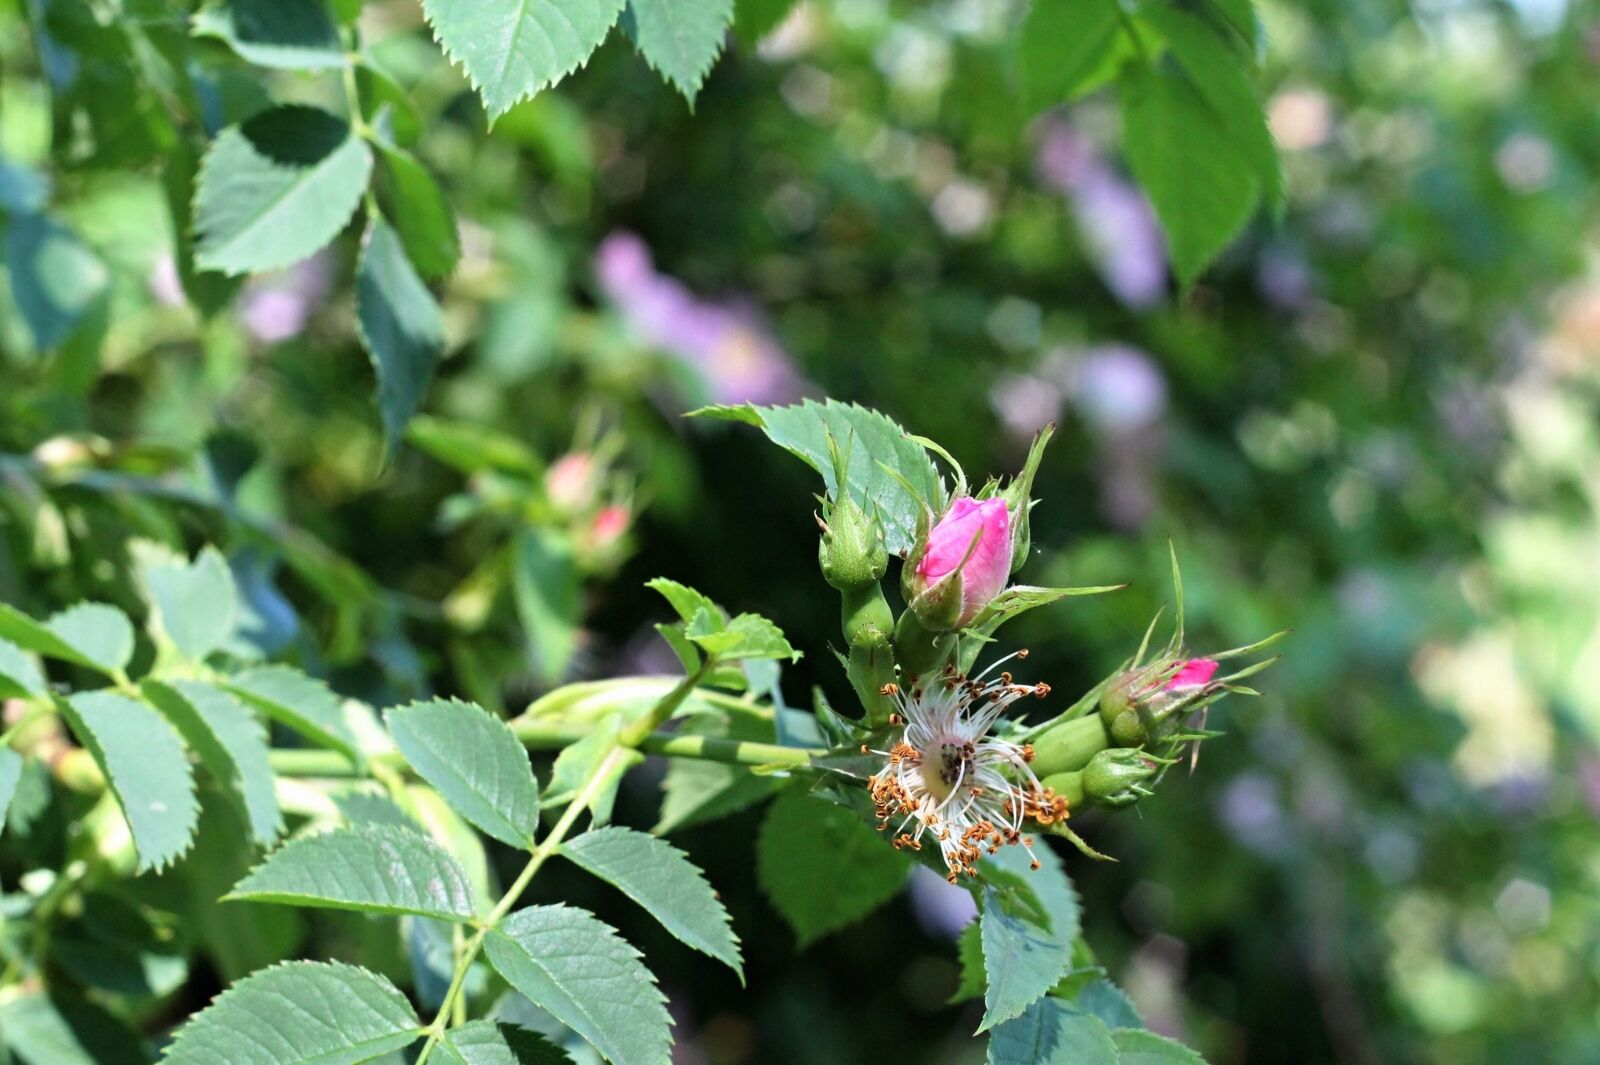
(1374, 422)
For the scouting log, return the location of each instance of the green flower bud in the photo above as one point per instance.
(853, 551)
(1119, 776)
(1068, 745)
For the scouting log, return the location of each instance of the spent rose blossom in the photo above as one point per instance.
(970, 545)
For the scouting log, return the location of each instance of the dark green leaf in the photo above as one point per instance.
(697, 791)
(231, 744)
(299, 1013)
(754, 19)
(488, 1043)
(681, 39)
(1052, 1032)
(402, 327)
(576, 761)
(374, 869)
(474, 761)
(291, 34)
(822, 866)
(588, 977)
(411, 199)
(874, 446)
(660, 877)
(276, 188)
(970, 954)
(1106, 1000)
(144, 761)
(298, 701)
(511, 49)
(66, 1030)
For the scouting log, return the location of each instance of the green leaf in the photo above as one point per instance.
(588, 977)
(474, 760)
(373, 869)
(684, 599)
(681, 39)
(55, 279)
(1241, 15)
(544, 584)
(576, 761)
(887, 470)
(401, 327)
(231, 744)
(1138, 1047)
(113, 944)
(148, 770)
(511, 49)
(385, 101)
(89, 634)
(208, 291)
(411, 198)
(276, 188)
(1181, 150)
(1017, 599)
(1022, 959)
(196, 604)
(697, 791)
(1222, 75)
(1052, 1032)
(1108, 1002)
(1061, 45)
(306, 705)
(660, 877)
(746, 636)
(754, 19)
(488, 1043)
(288, 34)
(61, 1029)
(969, 949)
(299, 1013)
(470, 447)
(822, 866)
(10, 776)
(1051, 888)
(19, 675)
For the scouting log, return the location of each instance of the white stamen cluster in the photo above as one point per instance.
(970, 791)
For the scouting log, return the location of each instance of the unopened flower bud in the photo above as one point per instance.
(1119, 776)
(853, 552)
(573, 481)
(961, 565)
(1149, 703)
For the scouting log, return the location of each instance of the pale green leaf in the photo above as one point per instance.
(289, 34)
(299, 1013)
(546, 589)
(412, 201)
(10, 775)
(588, 977)
(888, 472)
(401, 327)
(577, 761)
(372, 869)
(1181, 150)
(1138, 1047)
(19, 675)
(1061, 45)
(681, 39)
(306, 705)
(660, 877)
(474, 761)
(147, 768)
(88, 634)
(1052, 1032)
(231, 744)
(1108, 1002)
(488, 1043)
(511, 49)
(822, 866)
(196, 604)
(684, 599)
(745, 636)
(1022, 958)
(276, 188)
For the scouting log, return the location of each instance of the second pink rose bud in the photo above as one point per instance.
(963, 564)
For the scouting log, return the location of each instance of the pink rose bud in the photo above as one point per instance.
(572, 480)
(609, 525)
(970, 544)
(1193, 673)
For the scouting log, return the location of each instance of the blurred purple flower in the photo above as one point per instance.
(278, 306)
(1118, 388)
(942, 908)
(1119, 230)
(165, 283)
(734, 353)
(1253, 815)
(1284, 277)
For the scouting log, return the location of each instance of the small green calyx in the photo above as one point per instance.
(1120, 776)
(853, 551)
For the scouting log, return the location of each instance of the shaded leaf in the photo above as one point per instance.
(1061, 45)
(544, 583)
(299, 1013)
(411, 199)
(822, 866)
(1108, 1002)
(488, 1043)
(88, 634)
(373, 869)
(196, 603)
(1022, 959)
(1052, 1032)
(660, 877)
(289, 34)
(696, 791)
(55, 278)
(63, 1029)
(401, 327)
(231, 744)
(10, 775)
(588, 977)
(302, 703)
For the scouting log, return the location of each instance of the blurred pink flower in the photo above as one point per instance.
(572, 480)
(275, 307)
(984, 530)
(1119, 229)
(609, 525)
(734, 353)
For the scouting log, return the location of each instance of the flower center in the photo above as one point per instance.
(944, 765)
